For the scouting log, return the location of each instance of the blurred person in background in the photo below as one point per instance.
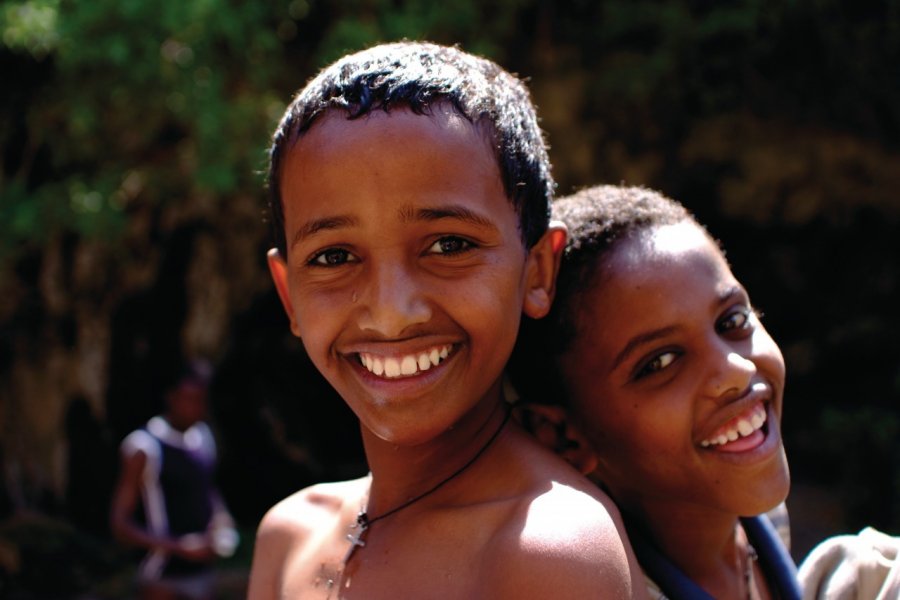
(165, 500)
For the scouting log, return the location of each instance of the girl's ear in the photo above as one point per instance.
(541, 270)
(278, 269)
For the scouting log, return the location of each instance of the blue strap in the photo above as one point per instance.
(776, 563)
(774, 559)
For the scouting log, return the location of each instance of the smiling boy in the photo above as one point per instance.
(409, 187)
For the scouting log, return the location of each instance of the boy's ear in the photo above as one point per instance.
(278, 269)
(543, 266)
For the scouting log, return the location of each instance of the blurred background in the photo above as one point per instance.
(132, 229)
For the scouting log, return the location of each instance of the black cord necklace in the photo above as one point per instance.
(363, 522)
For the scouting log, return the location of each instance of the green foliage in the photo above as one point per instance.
(30, 26)
(178, 95)
(176, 91)
(478, 26)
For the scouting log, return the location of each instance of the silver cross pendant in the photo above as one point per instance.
(356, 540)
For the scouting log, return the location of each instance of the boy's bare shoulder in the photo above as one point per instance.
(312, 507)
(565, 539)
(300, 525)
(568, 545)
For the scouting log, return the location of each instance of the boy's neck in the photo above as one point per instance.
(400, 473)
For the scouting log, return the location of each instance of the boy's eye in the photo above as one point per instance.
(450, 244)
(656, 364)
(332, 257)
(734, 321)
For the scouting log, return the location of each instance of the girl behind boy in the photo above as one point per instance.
(674, 391)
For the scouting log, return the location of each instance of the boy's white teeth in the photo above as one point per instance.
(404, 366)
(391, 367)
(742, 428)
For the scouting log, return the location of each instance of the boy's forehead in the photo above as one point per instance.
(377, 138)
(397, 161)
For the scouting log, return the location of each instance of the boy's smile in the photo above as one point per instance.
(407, 365)
(406, 273)
(674, 379)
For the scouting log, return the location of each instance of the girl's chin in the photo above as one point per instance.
(768, 496)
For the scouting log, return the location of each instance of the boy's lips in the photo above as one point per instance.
(408, 364)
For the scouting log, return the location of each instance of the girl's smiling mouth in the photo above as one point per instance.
(406, 365)
(743, 432)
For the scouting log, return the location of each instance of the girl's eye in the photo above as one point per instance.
(656, 364)
(450, 244)
(734, 321)
(332, 257)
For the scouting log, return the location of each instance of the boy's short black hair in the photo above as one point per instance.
(597, 219)
(417, 76)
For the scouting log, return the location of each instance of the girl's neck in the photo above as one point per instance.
(701, 542)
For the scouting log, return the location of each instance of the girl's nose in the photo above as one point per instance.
(730, 374)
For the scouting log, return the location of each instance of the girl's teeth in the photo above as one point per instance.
(404, 366)
(757, 420)
(742, 428)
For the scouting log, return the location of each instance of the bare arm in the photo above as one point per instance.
(274, 539)
(124, 503)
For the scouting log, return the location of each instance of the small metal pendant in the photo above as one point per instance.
(356, 539)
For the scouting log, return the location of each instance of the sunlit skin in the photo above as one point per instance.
(669, 352)
(404, 252)
(392, 259)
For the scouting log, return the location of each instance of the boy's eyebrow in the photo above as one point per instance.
(316, 225)
(639, 340)
(449, 211)
(729, 293)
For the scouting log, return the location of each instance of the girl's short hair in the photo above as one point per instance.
(597, 218)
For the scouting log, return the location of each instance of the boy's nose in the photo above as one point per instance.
(731, 373)
(393, 300)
